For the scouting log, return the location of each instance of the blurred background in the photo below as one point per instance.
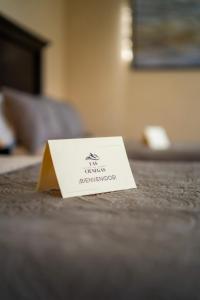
(90, 62)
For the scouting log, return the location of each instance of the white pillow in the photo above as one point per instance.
(7, 138)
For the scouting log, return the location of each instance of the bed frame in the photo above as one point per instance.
(20, 57)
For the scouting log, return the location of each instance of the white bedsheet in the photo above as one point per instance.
(10, 163)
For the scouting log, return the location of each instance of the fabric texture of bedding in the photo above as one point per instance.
(160, 186)
(134, 244)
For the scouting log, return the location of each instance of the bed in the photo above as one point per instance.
(135, 244)
(16, 162)
(178, 151)
(21, 62)
(28, 117)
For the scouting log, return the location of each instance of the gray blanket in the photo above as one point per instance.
(135, 244)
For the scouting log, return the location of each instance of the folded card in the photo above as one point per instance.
(156, 138)
(85, 166)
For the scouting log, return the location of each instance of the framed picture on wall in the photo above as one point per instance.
(166, 33)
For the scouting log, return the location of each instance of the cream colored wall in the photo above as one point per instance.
(171, 99)
(47, 18)
(94, 83)
(115, 99)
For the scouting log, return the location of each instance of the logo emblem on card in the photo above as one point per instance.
(107, 168)
(92, 156)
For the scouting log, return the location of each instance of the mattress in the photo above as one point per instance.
(176, 152)
(134, 244)
(10, 163)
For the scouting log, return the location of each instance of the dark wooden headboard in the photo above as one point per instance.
(20, 57)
